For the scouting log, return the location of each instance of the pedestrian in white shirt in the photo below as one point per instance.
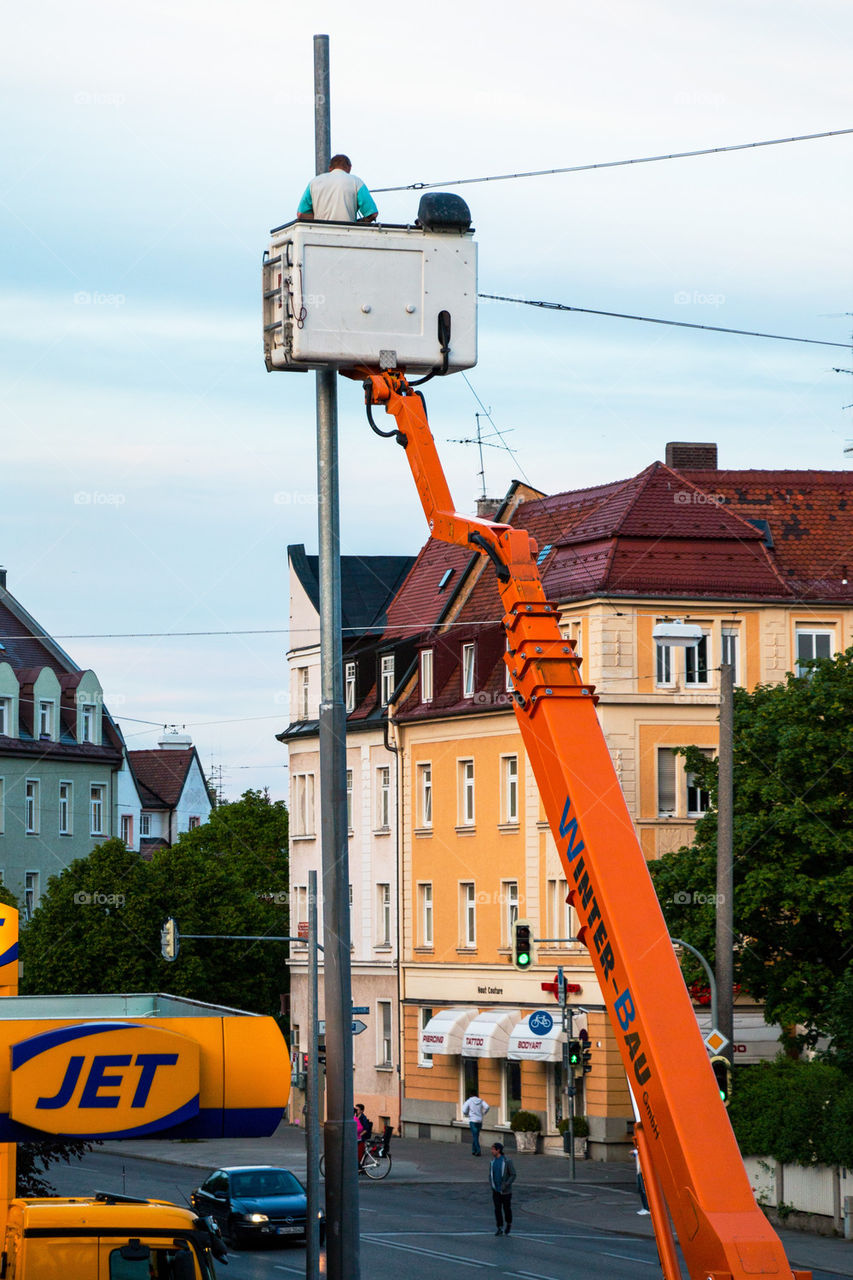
(474, 1109)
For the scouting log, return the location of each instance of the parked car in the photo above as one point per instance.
(255, 1202)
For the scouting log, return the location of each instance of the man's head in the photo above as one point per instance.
(497, 1148)
(359, 1106)
(340, 162)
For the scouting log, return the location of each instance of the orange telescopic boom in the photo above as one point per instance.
(693, 1170)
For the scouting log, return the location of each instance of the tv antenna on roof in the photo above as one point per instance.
(482, 442)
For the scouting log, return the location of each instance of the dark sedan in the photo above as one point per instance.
(253, 1203)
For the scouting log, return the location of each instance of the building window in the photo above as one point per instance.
(349, 800)
(426, 914)
(424, 1059)
(470, 1077)
(32, 893)
(466, 793)
(696, 663)
(509, 785)
(2, 809)
(383, 798)
(45, 719)
(663, 664)
(145, 825)
(467, 670)
(87, 722)
(32, 807)
(468, 914)
(303, 804)
(512, 1090)
(127, 829)
(509, 909)
(97, 801)
(387, 679)
(812, 645)
(5, 717)
(300, 913)
(195, 821)
(698, 800)
(730, 651)
(425, 796)
(349, 686)
(302, 687)
(426, 675)
(666, 782)
(383, 1033)
(65, 808)
(561, 923)
(383, 915)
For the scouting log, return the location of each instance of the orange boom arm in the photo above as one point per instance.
(688, 1151)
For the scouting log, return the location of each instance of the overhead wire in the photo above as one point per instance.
(615, 164)
(676, 324)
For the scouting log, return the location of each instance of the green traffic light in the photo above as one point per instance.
(523, 959)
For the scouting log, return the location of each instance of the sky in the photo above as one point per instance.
(152, 473)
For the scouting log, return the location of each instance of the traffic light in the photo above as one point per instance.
(587, 1057)
(170, 940)
(722, 1069)
(522, 944)
(575, 1054)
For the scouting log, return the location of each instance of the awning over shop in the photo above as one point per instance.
(534, 1047)
(444, 1031)
(488, 1035)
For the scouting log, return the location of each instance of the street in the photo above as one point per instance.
(423, 1228)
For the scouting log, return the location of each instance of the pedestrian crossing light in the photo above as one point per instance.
(522, 944)
(170, 940)
(722, 1069)
(575, 1054)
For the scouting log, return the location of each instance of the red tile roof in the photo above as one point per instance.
(420, 603)
(160, 775)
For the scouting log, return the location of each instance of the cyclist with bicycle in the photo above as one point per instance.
(363, 1129)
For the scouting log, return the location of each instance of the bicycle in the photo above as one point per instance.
(375, 1162)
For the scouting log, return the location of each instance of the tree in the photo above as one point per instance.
(97, 929)
(793, 840)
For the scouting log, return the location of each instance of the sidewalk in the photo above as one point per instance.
(603, 1195)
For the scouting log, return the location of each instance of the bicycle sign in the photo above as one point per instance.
(540, 1022)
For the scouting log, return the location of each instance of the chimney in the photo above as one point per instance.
(685, 456)
(3, 578)
(488, 508)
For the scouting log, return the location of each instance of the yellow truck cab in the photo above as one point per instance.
(107, 1237)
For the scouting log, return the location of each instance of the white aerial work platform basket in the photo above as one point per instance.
(338, 295)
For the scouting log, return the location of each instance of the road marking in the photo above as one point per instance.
(299, 1271)
(627, 1257)
(429, 1253)
(534, 1275)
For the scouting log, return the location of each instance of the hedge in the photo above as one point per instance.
(794, 1112)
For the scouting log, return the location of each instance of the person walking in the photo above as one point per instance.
(501, 1178)
(337, 196)
(474, 1109)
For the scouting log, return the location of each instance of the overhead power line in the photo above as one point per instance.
(616, 164)
(676, 324)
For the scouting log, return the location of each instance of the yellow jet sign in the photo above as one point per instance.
(116, 1080)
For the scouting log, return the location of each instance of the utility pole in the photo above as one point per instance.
(312, 1094)
(725, 876)
(342, 1227)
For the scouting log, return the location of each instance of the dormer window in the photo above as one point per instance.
(87, 722)
(46, 720)
(426, 675)
(5, 717)
(468, 651)
(349, 686)
(387, 679)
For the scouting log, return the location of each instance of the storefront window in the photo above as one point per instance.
(470, 1077)
(512, 1088)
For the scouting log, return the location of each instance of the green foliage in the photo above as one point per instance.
(525, 1122)
(793, 845)
(97, 929)
(580, 1126)
(795, 1112)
